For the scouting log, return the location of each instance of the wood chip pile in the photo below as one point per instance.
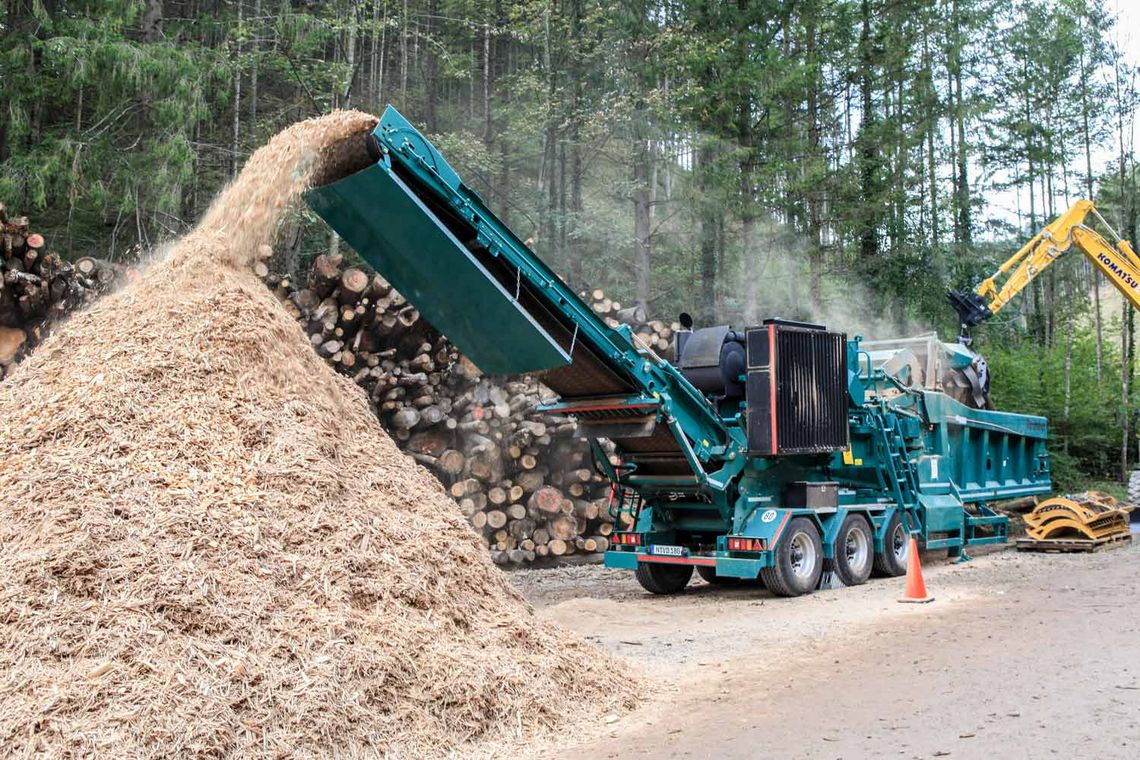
(211, 548)
(522, 479)
(38, 288)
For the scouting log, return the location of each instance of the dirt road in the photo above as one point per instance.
(1021, 655)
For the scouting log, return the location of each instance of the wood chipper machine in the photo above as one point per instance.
(767, 452)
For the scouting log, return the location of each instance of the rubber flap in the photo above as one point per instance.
(392, 229)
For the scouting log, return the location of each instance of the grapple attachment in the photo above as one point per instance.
(1092, 516)
(971, 307)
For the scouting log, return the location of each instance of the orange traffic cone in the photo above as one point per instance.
(915, 586)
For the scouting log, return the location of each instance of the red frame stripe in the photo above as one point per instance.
(772, 379)
(569, 409)
(780, 529)
(710, 561)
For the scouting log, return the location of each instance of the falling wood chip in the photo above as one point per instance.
(99, 670)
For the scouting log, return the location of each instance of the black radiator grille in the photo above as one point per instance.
(806, 413)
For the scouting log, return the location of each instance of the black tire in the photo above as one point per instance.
(659, 578)
(798, 560)
(854, 551)
(891, 563)
(708, 575)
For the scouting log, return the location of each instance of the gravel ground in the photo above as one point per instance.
(1021, 655)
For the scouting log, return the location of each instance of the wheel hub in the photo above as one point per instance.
(802, 555)
(857, 549)
(898, 543)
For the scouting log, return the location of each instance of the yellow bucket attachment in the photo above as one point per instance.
(1092, 515)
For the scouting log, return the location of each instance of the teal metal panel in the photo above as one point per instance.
(728, 567)
(934, 474)
(942, 513)
(765, 523)
(986, 454)
(879, 523)
(621, 560)
(737, 567)
(384, 221)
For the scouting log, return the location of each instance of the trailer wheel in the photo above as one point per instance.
(798, 560)
(708, 575)
(891, 563)
(854, 551)
(659, 578)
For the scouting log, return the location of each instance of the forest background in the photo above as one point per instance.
(838, 160)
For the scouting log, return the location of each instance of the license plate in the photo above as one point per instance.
(667, 551)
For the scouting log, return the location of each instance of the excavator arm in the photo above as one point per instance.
(1117, 261)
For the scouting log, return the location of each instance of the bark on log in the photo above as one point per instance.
(38, 288)
(352, 285)
(12, 341)
(325, 274)
(546, 499)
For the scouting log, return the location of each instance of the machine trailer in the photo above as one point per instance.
(768, 452)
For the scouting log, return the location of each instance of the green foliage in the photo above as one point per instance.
(841, 160)
(1085, 422)
(101, 122)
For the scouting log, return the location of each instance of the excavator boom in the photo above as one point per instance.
(1117, 261)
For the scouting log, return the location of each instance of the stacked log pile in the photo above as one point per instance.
(38, 288)
(655, 334)
(523, 479)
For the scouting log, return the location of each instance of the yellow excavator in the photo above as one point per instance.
(1090, 520)
(1117, 260)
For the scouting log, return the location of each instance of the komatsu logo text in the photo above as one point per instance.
(1118, 271)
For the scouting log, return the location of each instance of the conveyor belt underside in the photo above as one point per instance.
(587, 375)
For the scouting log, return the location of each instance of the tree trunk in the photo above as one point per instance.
(257, 26)
(404, 20)
(1086, 140)
(546, 179)
(574, 247)
(350, 57)
(641, 223)
(709, 232)
(1068, 373)
(235, 144)
(382, 61)
(931, 165)
(1125, 394)
(431, 70)
(964, 221)
(150, 23)
(868, 150)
